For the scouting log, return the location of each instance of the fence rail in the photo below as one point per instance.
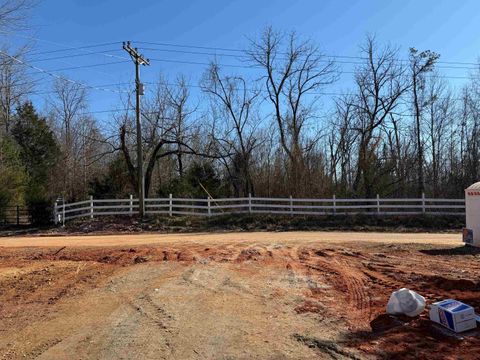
(260, 205)
(15, 215)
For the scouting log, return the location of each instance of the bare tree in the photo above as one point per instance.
(469, 129)
(166, 131)
(421, 63)
(341, 143)
(14, 14)
(440, 112)
(380, 83)
(293, 71)
(178, 97)
(15, 85)
(235, 104)
(68, 104)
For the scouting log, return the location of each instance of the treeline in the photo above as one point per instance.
(401, 130)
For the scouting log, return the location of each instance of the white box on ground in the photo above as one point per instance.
(454, 315)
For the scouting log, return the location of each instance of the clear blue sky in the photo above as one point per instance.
(448, 27)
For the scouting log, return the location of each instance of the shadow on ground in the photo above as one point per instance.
(407, 338)
(461, 250)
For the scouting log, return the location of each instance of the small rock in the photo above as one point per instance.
(139, 259)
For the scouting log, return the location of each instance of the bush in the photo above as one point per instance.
(4, 200)
(40, 212)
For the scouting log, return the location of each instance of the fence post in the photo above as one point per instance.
(423, 202)
(63, 213)
(291, 206)
(131, 205)
(55, 213)
(91, 206)
(334, 205)
(209, 209)
(249, 203)
(170, 210)
(18, 215)
(378, 204)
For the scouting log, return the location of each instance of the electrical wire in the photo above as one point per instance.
(50, 73)
(284, 53)
(75, 55)
(250, 67)
(329, 58)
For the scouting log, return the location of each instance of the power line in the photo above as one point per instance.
(68, 47)
(102, 85)
(250, 67)
(82, 67)
(187, 46)
(25, 83)
(237, 56)
(104, 53)
(204, 63)
(190, 46)
(72, 48)
(101, 52)
(49, 73)
(246, 57)
(325, 93)
(88, 66)
(187, 85)
(284, 53)
(187, 62)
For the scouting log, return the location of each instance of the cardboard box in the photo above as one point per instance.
(454, 315)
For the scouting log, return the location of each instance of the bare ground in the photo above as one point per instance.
(294, 295)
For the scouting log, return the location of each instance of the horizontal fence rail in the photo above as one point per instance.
(15, 215)
(260, 205)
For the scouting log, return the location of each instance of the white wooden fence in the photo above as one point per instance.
(260, 205)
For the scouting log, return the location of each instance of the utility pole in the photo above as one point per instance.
(138, 60)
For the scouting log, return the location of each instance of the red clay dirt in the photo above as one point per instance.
(291, 295)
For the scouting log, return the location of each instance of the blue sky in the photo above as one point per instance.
(339, 27)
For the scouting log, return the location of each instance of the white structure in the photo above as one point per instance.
(258, 205)
(471, 235)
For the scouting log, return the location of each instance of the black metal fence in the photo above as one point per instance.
(15, 215)
(25, 215)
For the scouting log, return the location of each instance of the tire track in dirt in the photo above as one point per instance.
(140, 323)
(330, 348)
(145, 307)
(344, 276)
(358, 297)
(375, 272)
(42, 348)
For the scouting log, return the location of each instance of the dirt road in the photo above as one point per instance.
(294, 237)
(292, 295)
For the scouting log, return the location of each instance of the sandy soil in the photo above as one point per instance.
(293, 237)
(295, 295)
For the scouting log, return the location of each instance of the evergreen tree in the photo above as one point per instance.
(12, 176)
(39, 153)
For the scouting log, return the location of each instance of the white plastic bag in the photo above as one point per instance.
(405, 301)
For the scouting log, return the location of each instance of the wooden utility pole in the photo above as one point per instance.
(138, 60)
